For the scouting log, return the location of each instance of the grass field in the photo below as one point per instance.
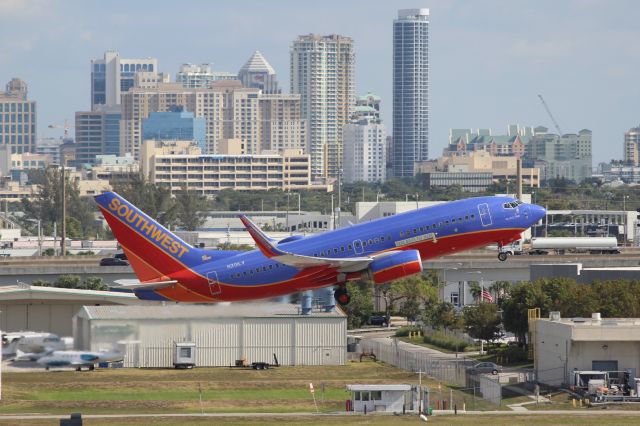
(277, 390)
(224, 390)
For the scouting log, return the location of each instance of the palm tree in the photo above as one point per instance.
(476, 291)
(501, 289)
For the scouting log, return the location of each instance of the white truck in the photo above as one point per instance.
(562, 245)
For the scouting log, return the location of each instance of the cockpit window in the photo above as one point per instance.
(512, 205)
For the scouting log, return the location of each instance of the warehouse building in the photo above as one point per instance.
(24, 307)
(562, 345)
(222, 333)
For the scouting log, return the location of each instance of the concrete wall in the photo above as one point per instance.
(582, 275)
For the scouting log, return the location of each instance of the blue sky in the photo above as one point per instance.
(489, 59)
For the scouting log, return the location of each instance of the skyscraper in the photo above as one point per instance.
(632, 146)
(17, 118)
(322, 72)
(364, 141)
(113, 75)
(410, 90)
(258, 74)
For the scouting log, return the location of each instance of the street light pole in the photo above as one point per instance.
(64, 209)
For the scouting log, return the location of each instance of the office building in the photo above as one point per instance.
(501, 168)
(258, 74)
(175, 125)
(364, 143)
(322, 72)
(632, 146)
(230, 112)
(410, 90)
(17, 118)
(113, 75)
(51, 147)
(97, 133)
(560, 157)
(180, 165)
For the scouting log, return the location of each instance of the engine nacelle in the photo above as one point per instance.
(395, 266)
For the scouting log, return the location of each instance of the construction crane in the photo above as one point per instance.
(546, 107)
(66, 126)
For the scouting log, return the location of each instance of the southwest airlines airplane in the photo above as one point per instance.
(384, 250)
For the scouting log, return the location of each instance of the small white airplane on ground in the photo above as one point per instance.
(30, 345)
(79, 359)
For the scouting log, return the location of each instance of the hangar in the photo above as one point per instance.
(222, 333)
(25, 307)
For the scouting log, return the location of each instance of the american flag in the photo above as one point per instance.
(487, 296)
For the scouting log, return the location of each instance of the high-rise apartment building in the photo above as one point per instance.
(17, 118)
(192, 75)
(410, 90)
(97, 133)
(113, 75)
(364, 143)
(322, 72)
(281, 123)
(632, 146)
(258, 74)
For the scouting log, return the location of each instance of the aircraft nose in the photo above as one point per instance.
(537, 212)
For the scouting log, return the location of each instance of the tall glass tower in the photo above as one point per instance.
(410, 90)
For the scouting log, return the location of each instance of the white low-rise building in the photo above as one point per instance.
(562, 345)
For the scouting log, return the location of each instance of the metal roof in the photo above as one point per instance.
(380, 387)
(25, 291)
(257, 62)
(192, 311)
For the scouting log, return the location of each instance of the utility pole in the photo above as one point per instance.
(64, 209)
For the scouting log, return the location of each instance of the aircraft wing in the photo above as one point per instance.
(269, 248)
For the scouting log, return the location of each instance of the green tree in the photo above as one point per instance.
(444, 315)
(482, 321)
(360, 307)
(94, 283)
(67, 281)
(190, 206)
(501, 289)
(476, 291)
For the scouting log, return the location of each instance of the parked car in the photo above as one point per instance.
(485, 367)
(121, 256)
(113, 261)
(379, 320)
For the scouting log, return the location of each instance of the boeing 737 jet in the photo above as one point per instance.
(383, 250)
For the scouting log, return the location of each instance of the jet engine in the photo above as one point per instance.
(395, 265)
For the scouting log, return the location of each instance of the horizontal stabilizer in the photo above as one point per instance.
(137, 285)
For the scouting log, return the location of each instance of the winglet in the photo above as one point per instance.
(264, 243)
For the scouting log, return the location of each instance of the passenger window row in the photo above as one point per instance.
(349, 247)
(256, 270)
(435, 226)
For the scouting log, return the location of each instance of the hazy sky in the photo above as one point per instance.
(489, 58)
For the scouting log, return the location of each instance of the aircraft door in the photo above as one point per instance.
(214, 284)
(357, 246)
(485, 214)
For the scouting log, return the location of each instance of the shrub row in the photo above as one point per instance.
(444, 341)
(404, 331)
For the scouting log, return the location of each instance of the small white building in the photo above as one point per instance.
(562, 345)
(381, 397)
(222, 333)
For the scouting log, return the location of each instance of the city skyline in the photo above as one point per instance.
(488, 59)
